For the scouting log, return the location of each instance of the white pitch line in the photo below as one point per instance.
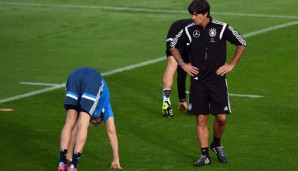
(130, 67)
(57, 86)
(39, 84)
(139, 9)
(31, 93)
(255, 15)
(270, 29)
(246, 95)
(240, 95)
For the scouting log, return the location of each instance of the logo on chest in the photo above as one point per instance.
(196, 33)
(212, 32)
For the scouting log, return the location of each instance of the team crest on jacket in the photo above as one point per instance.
(212, 32)
(196, 33)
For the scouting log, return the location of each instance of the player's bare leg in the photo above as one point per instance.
(71, 144)
(167, 85)
(71, 118)
(81, 136)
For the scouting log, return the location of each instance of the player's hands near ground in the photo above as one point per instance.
(182, 105)
(115, 165)
(224, 69)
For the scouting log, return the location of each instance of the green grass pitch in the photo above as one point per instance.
(42, 41)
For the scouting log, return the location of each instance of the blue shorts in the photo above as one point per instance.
(88, 92)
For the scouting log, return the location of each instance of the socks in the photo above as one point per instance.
(63, 153)
(75, 158)
(205, 151)
(216, 141)
(166, 95)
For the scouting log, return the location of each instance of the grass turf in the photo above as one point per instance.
(43, 44)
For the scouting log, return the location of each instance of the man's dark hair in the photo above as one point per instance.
(199, 7)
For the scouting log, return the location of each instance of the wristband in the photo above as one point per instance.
(182, 100)
(181, 63)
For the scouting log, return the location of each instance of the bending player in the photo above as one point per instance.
(87, 96)
(171, 68)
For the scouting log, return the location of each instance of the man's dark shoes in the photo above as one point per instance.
(219, 153)
(203, 161)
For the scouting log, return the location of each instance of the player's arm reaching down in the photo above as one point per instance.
(111, 131)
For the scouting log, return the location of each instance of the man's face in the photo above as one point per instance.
(198, 19)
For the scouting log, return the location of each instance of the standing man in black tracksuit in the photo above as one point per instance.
(206, 41)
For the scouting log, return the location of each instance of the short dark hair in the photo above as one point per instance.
(199, 7)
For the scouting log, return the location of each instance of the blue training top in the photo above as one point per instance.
(86, 89)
